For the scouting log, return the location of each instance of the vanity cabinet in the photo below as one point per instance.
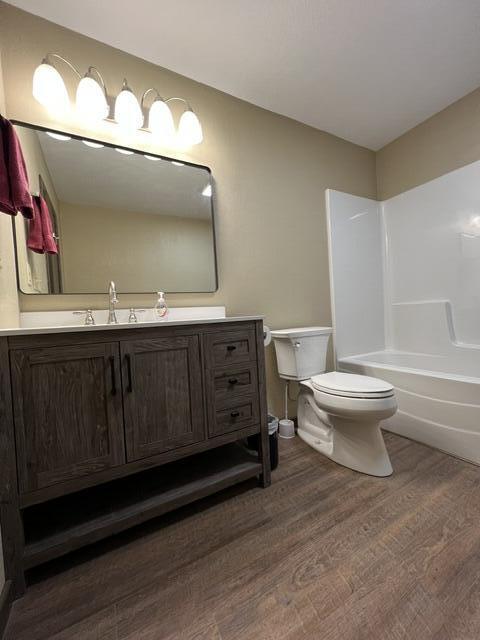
(102, 429)
(67, 413)
(231, 381)
(162, 395)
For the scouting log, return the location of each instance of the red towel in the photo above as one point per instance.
(14, 188)
(40, 232)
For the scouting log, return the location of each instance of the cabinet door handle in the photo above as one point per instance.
(130, 373)
(235, 414)
(231, 347)
(233, 381)
(113, 374)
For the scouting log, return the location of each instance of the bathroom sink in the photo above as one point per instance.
(54, 319)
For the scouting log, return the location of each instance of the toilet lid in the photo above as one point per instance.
(350, 385)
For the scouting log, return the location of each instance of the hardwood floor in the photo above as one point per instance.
(323, 554)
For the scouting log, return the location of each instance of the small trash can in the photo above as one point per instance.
(254, 441)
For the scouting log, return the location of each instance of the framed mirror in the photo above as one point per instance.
(142, 220)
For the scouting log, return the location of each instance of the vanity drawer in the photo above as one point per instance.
(232, 381)
(234, 415)
(230, 347)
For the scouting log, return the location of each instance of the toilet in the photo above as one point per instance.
(338, 414)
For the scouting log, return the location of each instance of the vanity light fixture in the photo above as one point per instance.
(160, 119)
(92, 104)
(125, 152)
(152, 158)
(177, 164)
(49, 88)
(91, 98)
(189, 129)
(162, 126)
(128, 113)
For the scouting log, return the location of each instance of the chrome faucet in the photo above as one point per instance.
(112, 301)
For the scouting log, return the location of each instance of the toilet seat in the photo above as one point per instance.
(350, 385)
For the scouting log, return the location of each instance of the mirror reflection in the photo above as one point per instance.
(140, 220)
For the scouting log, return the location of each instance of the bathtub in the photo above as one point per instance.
(438, 396)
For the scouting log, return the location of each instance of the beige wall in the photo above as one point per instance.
(8, 287)
(170, 252)
(448, 140)
(270, 173)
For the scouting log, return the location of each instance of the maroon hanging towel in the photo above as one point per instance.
(40, 231)
(14, 188)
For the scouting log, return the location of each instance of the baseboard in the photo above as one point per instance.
(5, 605)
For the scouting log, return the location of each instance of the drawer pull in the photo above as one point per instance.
(231, 347)
(233, 381)
(235, 414)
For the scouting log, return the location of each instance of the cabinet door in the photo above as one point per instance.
(162, 395)
(68, 412)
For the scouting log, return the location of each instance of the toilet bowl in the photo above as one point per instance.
(338, 414)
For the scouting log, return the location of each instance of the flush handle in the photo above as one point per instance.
(296, 345)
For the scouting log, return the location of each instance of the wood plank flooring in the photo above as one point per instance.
(323, 554)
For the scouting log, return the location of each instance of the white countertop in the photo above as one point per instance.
(192, 315)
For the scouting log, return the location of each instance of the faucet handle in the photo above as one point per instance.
(88, 313)
(132, 318)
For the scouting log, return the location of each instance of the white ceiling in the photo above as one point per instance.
(365, 70)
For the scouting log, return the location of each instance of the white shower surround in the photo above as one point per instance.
(405, 287)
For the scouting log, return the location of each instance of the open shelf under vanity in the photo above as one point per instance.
(59, 526)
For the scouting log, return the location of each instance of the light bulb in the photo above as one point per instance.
(128, 113)
(91, 102)
(189, 129)
(125, 152)
(160, 121)
(152, 158)
(49, 89)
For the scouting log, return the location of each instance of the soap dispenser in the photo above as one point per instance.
(160, 310)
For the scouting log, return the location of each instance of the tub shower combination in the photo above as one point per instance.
(405, 283)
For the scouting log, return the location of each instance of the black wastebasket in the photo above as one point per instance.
(254, 441)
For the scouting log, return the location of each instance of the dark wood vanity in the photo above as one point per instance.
(101, 430)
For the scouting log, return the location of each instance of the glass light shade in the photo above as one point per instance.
(127, 110)
(160, 121)
(49, 89)
(190, 129)
(91, 102)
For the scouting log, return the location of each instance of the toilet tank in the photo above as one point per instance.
(301, 353)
